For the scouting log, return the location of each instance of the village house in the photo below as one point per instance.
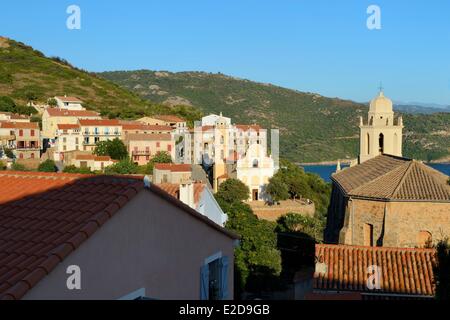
(91, 162)
(54, 116)
(94, 131)
(80, 226)
(172, 173)
(198, 196)
(130, 127)
(68, 138)
(143, 147)
(387, 200)
(69, 103)
(175, 122)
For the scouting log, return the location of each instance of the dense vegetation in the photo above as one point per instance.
(115, 149)
(27, 75)
(313, 128)
(442, 270)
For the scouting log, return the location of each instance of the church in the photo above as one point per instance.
(386, 200)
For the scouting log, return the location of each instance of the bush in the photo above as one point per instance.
(125, 166)
(297, 223)
(18, 167)
(2, 165)
(73, 169)
(442, 270)
(48, 166)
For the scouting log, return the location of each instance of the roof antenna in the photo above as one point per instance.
(147, 182)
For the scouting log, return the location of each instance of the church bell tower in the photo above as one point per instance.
(381, 133)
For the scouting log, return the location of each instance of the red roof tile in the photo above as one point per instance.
(69, 99)
(145, 127)
(169, 118)
(68, 126)
(247, 127)
(56, 112)
(405, 271)
(101, 122)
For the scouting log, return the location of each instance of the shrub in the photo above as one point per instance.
(73, 169)
(18, 167)
(233, 190)
(48, 166)
(125, 166)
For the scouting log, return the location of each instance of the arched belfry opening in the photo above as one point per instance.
(368, 143)
(381, 143)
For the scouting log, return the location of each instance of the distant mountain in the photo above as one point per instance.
(420, 109)
(313, 128)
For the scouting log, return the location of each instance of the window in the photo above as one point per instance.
(158, 144)
(21, 133)
(255, 163)
(368, 235)
(106, 131)
(86, 140)
(32, 156)
(169, 147)
(214, 278)
(96, 131)
(96, 139)
(32, 133)
(21, 156)
(381, 143)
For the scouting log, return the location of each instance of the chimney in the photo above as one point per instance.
(187, 194)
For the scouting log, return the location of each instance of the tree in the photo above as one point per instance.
(52, 102)
(7, 104)
(48, 166)
(298, 223)
(31, 96)
(125, 166)
(277, 189)
(442, 270)
(9, 153)
(2, 165)
(257, 252)
(116, 149)
(160, 157)
(233, 190)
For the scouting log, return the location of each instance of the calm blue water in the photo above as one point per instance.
(326, 171)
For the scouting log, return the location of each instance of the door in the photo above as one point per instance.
(255, 194)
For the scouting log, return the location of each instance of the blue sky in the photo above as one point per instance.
(319, 46)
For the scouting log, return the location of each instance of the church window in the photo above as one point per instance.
(368, 144)
(381, 143)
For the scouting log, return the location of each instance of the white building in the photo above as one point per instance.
(69, 103)
(68, 138)
(254, 170)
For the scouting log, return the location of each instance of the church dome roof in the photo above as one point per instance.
(381, 104)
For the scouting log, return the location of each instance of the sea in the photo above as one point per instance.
(325, 171)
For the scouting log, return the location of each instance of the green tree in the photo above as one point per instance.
(442, 270)
(9, 153)
(125, 166)
(277, 189)
(257, 252)
(7, 104)
(48, 166)
(31, 96)
(233, 190)
(2, 165)
(160, 157)
(298, 223)
(52, 102)
(116, 149)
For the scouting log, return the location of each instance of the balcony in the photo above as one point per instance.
(28, 145)
(141, 153)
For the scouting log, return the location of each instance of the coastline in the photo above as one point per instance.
(323, 163)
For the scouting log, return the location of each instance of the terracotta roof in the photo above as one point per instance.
(149, 137)
(246, 127)
(404, 271)
(46, 216)
(173, 167)
(19, 125)
(56, 112)
(145, 127)
(99, 122)
(169, 118)
(69, 99)
(174, 190)
(92, 157)
(68, 126)
(393, 178)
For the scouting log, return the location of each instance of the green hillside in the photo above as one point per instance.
(313, 128)
(27, 74)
